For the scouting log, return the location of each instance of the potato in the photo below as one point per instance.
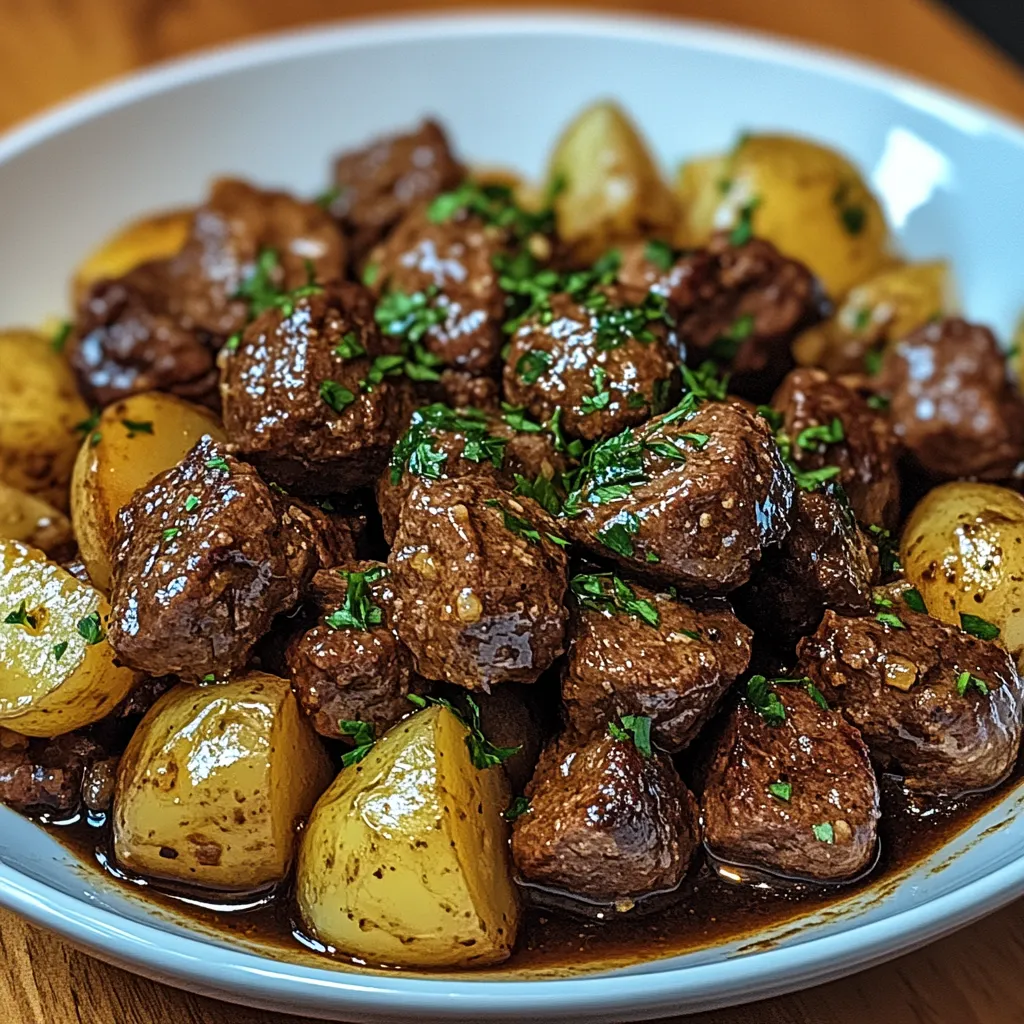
(882, 309)
(963, 548)
(34, 522)
(610, 187)
(39, 410)
(154, 237)
(213, 783)
(57, 671)
(115, 460)
(808, 200)
(404, 860)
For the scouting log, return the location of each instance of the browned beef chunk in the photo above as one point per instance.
(459, 389)
(635, 652)
(951, 403)
(205, 556)
(379, 184)
(310, 398)
(935, 703)
(796, 797)
(691, 502)
(445, 443)
(143, 696)
(608, 361)
(865, 450)
(351, 666)
(159, 326)
(605, 822)
(824, 562)
(479, 583)
(739, 305)
(45, 775)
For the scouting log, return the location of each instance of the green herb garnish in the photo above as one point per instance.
(358, 611)
(966, 681)
(362, 735)
(852, 215)
(888, 619)
(824, 832)
(618, 534)
(218, 463)
(21, 617)
(636, 728)
(979, 627)
(336, 396)
(349, 347)
(532, 365)
(743, 231)
(191, 503)
(914, 601)
(781, 790)
(59, 650)
(763, 699)
(661, 254)
(89, 629)
(60, 336)
(810, 438)
(137, 427)
(607, 592)
(482, 752)
(519, 806)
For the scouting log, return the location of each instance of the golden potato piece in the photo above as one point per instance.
(405, 858)
(39, 410)
(609, 188)
(805, 198)
(213, 783)
(34, 522)
(57, 671)
(155, 237)
(882, 309)
(963, 548)
(134, 440)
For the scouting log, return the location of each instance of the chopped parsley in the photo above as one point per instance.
(862, 319)
(574, 449)
(806, 479)
(824, 832)
(888, 619)
(482, 752)
(363, 737)
(21, 617)
(615, 325)
(358, 611)
(170, 533)
(59, 650)
(727, 344)
(60, 336)
(977, 626)
(888, 550)
(606, 592)
(328, 198)
(852, 215)
(137, 427)
(218, 463)
(810, 438)
(381, 367)
(636, 728)
(914, 601)
(618, 534)
(89, 425)
(261, 291)
(765, 701)
(601, 398)
(409, 318)
(416, 454)
(522, 527)
(966, 681)
(495, 205)
(349, 347)
(781, 790)
(661, 254)
(516, 417)
(335, 395)
(519, 806)
(532, 365)
(879, 403)
(542, 490)
(743, 231)
(89, 629)
(192, 503)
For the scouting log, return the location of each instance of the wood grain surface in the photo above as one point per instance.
(50, 49)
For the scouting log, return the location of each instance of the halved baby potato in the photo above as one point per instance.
(57, 671)
(155, 237)
(39, 410)
(134, 440)
(34, 522)
(805, 198)
(963, 548)
(214, 782)
(405, 860)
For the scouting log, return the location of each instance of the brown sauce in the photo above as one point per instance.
(707, 911)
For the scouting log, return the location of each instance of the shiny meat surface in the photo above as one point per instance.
(45, 775)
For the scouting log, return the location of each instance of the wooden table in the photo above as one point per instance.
(52, 48)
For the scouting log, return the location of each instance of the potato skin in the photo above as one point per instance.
(34, 522)
(43, 693)
(39, 409)
(963, 548)
(404, 860)
(611, 188)
(109, 471)
(213, 782)
(802, 189)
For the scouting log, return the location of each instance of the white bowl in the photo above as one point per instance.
(950, 177)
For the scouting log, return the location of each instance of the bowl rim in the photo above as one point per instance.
(249, 978)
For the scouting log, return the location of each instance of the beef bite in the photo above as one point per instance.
(606, 822)
(606, 357)
(824, 562)
(690, 499)
(205, 556)
(381, 182)
(951, 402)
(46, 776)
(790, 789)
(479, 579)
(313, 395)
(863, 447)
(739, 304)
(350, 666)
(160, 325)
(636, 652)
(932, 702)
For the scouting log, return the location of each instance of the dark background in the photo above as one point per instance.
(1001, 20)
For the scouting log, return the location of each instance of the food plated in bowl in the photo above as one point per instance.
(519, 505)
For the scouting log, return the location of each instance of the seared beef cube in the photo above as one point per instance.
(691, 502)
(444, 443)
(351, 666)
(608, 361)
(933, 702)
(45, 775)
(143, 696)
(605, 822)
(740, 305)
(824, 562)
(307, 397)
(205, 556)
(795, 797)
(951, 403)
(635, 652)
(863, 447)
(159, 326)
(379, 184)
(479, 582)
(459, 389)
